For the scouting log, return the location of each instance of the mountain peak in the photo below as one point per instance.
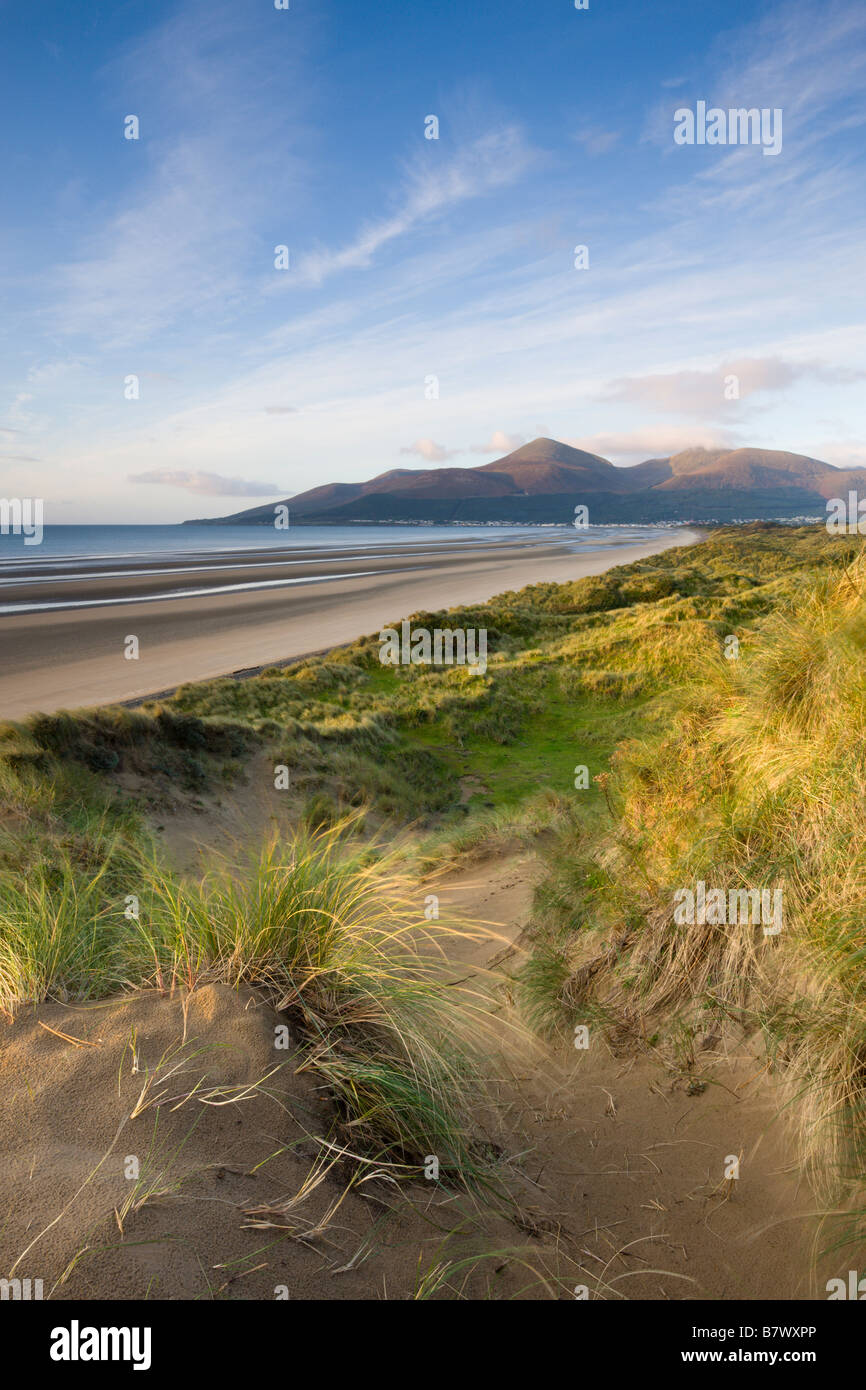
(546, 451)
(544, 479)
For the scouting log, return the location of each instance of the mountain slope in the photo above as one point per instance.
(547, 466)
(545, 479)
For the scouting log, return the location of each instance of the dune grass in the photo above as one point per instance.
(758, 781)
(335, 939)
(340, 945)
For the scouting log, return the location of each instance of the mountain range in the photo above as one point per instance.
(544, 481)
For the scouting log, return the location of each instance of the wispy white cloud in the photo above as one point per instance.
(814, 73)
(431, 451)
(173, 250)
(491, 161)
(597, 141)
(498, 443)
(206, 484)
(656, 442)
(712, 392)
(177, 244)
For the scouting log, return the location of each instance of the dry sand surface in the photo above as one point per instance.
(630, 1166)
(617, 1172)
(75, 658)
(226, 1132)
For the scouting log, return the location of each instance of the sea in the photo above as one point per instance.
(131, 542)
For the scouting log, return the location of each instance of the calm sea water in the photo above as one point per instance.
(127, 541)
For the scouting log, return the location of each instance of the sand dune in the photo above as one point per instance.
(159, 1138)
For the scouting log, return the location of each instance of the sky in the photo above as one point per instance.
(157, 363)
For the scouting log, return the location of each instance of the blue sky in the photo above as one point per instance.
(413, 258)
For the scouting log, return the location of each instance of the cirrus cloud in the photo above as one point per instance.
(494, 160)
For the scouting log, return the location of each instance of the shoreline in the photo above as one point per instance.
(73, 658)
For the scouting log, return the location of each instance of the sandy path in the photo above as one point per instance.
(76, 658)
(629, 1166)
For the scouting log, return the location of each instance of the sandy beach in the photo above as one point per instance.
(64, 624)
